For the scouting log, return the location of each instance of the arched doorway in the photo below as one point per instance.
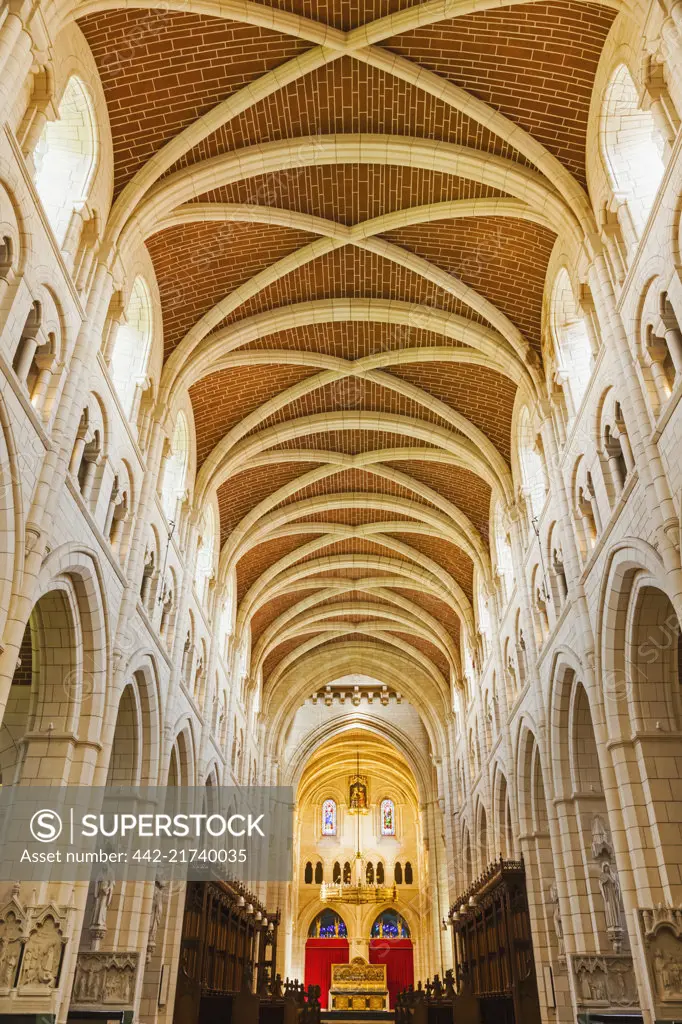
(327, 944)
(390, 943)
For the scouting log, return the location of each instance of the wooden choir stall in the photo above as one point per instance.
(494, 980)
(228, 953)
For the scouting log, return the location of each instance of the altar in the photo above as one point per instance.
(358, 985)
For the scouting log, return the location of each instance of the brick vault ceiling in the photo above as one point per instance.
(350, 208)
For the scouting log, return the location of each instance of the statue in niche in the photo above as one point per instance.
(601, 840)
(558, 924)
(158, 903)
(104, 892)
(610, 890)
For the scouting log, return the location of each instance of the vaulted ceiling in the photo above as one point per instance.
(350, 209)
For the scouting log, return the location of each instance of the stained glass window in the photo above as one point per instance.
(328, 925)
(387, 818)
(329, 818)
(390, 925)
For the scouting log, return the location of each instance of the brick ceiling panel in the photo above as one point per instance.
(354, 481)
(430, 651)
(362, 597)
(223, 399)
(281, 651)
(354, 442)
(350, 273)
(482, 395)
(242, 492)
(356, 517)
(355, 339)
(352, 546)
(381, 646)
(502, 258)
(162, 69)
(439, 610)
(350, 193)
(355, 393)
(352, 618)
(447, 555)
(256, 561)
(197, 265)
(342, 14)
(460, 486)
(266, 615)
(350, 573)
(533, 62)
(349, 96)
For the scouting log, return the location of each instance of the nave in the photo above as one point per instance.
(340, 380)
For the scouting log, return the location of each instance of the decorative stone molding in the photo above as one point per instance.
(105, 979)
(603, 981)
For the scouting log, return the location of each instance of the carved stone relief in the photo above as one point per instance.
(604, 981)
(662, 931)
(32, 941)
(42, 956)
(11, 931)
(106, 979)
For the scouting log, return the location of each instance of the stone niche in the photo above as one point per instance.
(662, 934)
(604, 982)
(105, 979)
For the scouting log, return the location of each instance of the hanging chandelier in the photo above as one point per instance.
(349, 893)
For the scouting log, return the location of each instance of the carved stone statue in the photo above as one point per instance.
(558, 924)
(601, 840)
(104, 892)
(158, 903)
(610, 890)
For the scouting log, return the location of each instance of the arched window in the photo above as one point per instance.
(380, 873)
(347, 875)
(398, 873)
(387, 818)
(176, 468)
(408, 874)
(632, 148)
(328, 925)
(369, 873)
(205, 554)
(130, 354)
(329, 818)
(571, 338)
(532, 465)
(308, 873)
(336, 873)
(319, 873)
(65, 157)
(390, 925)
